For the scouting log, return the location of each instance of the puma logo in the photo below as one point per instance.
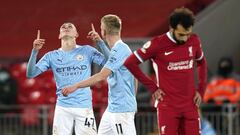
(60, 60)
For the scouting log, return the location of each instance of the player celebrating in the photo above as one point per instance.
(70, 64)
(118, 119)
(174, 54)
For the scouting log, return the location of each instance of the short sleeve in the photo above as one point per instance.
(148, 50)
(199, 53)
(116, 59)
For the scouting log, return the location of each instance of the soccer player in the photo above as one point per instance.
(173, 55)
(118, 118)
(70, 64)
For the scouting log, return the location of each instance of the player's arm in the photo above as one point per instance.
(133, 61)
(104, 48)
(32, 69)
(202, 76)
(202, 81)
(201, 69)
(102, 75)
(100, 43)
(97, 57)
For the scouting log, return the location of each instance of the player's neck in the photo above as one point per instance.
(112, 39)
(68, 44)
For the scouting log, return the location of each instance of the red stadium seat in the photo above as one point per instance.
(18, 70)
(31, 92)
(37, 97)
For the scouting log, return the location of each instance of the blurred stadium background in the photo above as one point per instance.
(27, 105)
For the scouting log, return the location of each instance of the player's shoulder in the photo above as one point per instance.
(159, 38)
(156, 42)
(79, 47)
(52, 52)
(195, 39)
(85, 48)
(119, 46)
(126, 48)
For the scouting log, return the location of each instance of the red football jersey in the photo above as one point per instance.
(174, 67)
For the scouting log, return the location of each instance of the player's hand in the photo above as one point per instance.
(158, 95)
(197, 99)
(38, 43)
(93, 35)
(67, 90)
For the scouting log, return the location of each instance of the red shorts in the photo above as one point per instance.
(173, 122)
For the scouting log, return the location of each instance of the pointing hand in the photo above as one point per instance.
(38, 43)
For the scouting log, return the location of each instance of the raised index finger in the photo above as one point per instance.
(93, 29)
(38, 34)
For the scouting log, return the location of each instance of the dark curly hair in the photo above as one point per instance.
(182, 16)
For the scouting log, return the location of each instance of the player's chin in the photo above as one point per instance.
(181, 42)
(66, 36)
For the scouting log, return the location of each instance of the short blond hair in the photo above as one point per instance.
(113, 24)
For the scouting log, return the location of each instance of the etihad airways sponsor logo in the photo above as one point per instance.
(181, 65)
(71, 69)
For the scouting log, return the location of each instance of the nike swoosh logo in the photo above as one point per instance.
(167, 53)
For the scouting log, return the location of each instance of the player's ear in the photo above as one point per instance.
(59, 36)
(77, 34)
(104, 33)
(171, 29)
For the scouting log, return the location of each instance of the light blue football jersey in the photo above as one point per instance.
(71, 67)
(121, 94)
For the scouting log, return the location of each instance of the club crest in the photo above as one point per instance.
(79, 57)
(146, 46)
(190, 51)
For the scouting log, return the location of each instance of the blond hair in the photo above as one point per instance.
(113, 24)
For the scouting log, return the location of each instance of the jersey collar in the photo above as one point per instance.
(170, 37)
(77, 46)
(119, 41)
